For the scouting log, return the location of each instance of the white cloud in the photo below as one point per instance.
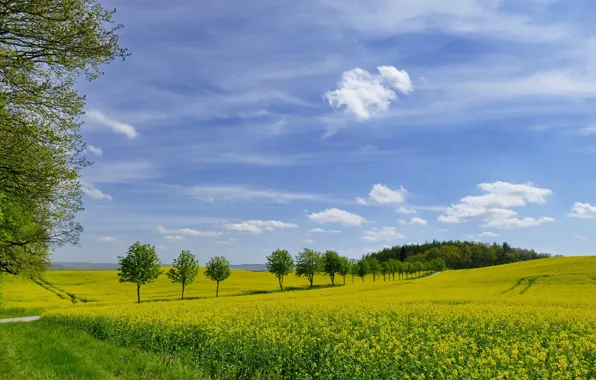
(320, 230)
(441, 230)
(93, 192)
(581, 237)
(402, 222)
(490, 207)
(334, 215)
(309, 241)
(109, 239)
(582, 210)
(382, 234)
(174, 237)
(117, 126)
(366, 95)
(488, 233)
(257, 226)
(187, 232)
(381, 194)
(95, 150)
(406, 211)
(419, 221)
(243, 193)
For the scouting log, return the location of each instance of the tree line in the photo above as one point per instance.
(141, 265)
(458, 254)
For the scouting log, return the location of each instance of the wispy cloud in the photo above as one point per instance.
(334, 215)
(117, 126)
(258, 226)
(245, 193)
(187, 232)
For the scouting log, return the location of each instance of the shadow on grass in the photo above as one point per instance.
(249, 293)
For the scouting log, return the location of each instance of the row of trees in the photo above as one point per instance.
(141, 265)
(458, 254)
(45, 46)
(308, 263)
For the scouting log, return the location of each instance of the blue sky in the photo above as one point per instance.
(236, 129)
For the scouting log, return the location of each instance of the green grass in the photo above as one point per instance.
(42, 350)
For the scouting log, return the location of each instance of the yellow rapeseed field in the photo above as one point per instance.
(527, 320)
(18, 293)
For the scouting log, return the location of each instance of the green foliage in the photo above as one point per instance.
(374, 267)
(218, 269)
(458, 254)
(45, 45)
(308, 264)
(345, 267)
(141, 265)
(185, 269)
(280, 263)
(363, 268)
(331, 264)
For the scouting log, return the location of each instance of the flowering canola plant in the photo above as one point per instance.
(524, 321)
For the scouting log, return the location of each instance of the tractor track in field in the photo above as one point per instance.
(20, 319)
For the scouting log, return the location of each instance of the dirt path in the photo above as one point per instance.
(21, 319)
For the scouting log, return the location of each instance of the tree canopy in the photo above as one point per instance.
(185, 269)
(280, 263)
(141, 265)
(45, 45)
(308, 264)
(218, 269)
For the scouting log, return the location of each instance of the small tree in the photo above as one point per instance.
(345, 267)
(374, 267)
(280, 263)
(393, 266)
(141, 265)
(363, 268)
(331, 264)
(185, 269)
(218, 269)
(308, 263)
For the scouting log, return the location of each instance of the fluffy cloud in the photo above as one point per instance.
(174, 237)
(258, 226)
(490, 207)
(406, 211)
(488, 233)
(95, 150)
(109, 239)
(366, 95)
(187, 232)
(582, 210)
(334, 215)
(382, 234)
(91, 191)
(419, 221)
(320, 230)
(309, 241)
(381, 194)
(117, 126)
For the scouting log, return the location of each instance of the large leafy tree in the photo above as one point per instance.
(308, 264)
(280, 263)
(374, 267)
(185, 269)
(141, 265)
(218, 269)
(45, 45)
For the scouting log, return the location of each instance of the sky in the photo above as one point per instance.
(237, 129)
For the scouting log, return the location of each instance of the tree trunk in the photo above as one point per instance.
(183, 291)
(311, 281)
(362, 279)
(374, 277)
(138, 293)
(281, 284)
(217, 289)
(344, 279)
(332, 280)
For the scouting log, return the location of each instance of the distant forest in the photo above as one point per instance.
(458, 254)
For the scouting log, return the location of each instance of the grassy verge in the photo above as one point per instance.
(42, 350)
(18, 312)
